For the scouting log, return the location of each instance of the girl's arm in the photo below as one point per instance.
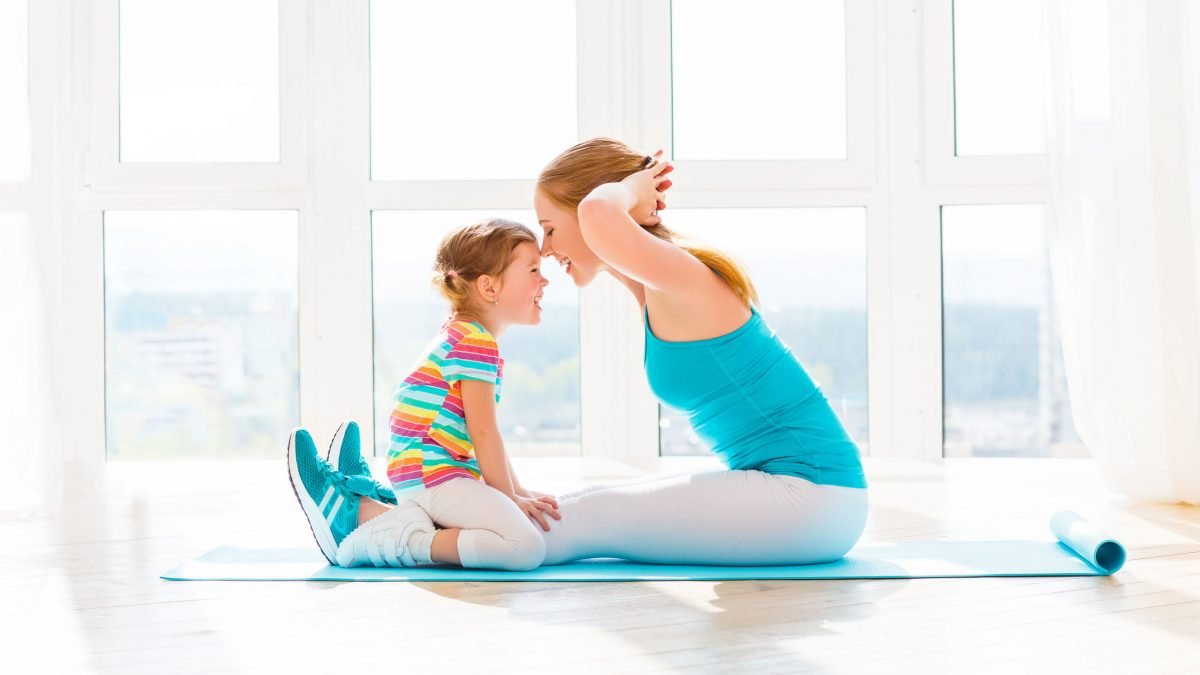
(479, 403)
(479, 408)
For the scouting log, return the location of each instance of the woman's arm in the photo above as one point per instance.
(608, 221)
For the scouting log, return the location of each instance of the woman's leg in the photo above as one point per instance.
(492, 531)
(726, 517)
(628, 482)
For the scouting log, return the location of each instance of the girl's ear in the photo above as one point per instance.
(487, 287)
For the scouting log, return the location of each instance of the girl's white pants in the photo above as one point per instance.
(495, 534)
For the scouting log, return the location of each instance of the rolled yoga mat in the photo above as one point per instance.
(1080, 550)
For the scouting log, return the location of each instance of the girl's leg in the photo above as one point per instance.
(726, 517)
(479, 528)
(399, 536)
(491, 531)
(442, 548)
(444, 545)
(369, 508)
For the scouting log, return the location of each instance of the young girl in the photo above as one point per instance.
(457, 498)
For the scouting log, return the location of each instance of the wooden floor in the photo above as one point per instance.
(82, 593)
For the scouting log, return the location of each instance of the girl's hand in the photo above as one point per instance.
(648, 188)
(540, 496)
(537, 509)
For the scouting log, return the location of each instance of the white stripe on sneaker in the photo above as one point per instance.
(333, 512)
(325, 500)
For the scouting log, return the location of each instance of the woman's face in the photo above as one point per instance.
(564, 242)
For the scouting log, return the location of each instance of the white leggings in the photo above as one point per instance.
(719, 518)
(496, 533)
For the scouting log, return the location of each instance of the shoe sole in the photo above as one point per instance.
(322, 535)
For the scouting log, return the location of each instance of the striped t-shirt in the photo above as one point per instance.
(429, 443)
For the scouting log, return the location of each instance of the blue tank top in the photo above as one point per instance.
(752, 403)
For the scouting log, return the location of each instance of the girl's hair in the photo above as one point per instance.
(470, 252)
(568, 178)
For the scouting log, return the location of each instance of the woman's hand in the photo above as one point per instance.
(537, 508)
(648, 189)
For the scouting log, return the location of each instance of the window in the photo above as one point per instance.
(539, 407)
(809, 266)
(730, 101)
(199, 81)
(201, 330)
(998, 77)
(311, 140)
(1005, 388)
(479, 89)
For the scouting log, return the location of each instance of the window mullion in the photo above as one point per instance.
(904, 270)
(68, 241)
(336, 352)
(619, 415)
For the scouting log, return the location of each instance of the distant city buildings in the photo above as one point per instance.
(200, 375)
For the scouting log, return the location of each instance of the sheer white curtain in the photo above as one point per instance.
(1123, 139)
(30, 453)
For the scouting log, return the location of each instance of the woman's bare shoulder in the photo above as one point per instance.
(709, 311)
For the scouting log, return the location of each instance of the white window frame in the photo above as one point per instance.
(944, 167)
(900, 167)
(105, 171)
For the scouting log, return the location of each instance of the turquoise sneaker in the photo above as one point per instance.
(329, 499)
(345, 455)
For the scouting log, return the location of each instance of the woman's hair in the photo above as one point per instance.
(571, 176)
(470, 252)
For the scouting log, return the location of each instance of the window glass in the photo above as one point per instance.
(1005, 391)
(199, 81)
(474, 89)
(201, 333)
(758, 79)
(998, 77)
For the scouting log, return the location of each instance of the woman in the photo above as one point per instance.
(794, 491)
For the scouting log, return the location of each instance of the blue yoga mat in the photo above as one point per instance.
(1080, 550)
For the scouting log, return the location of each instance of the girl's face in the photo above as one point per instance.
(520, 295)
(564, 241)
